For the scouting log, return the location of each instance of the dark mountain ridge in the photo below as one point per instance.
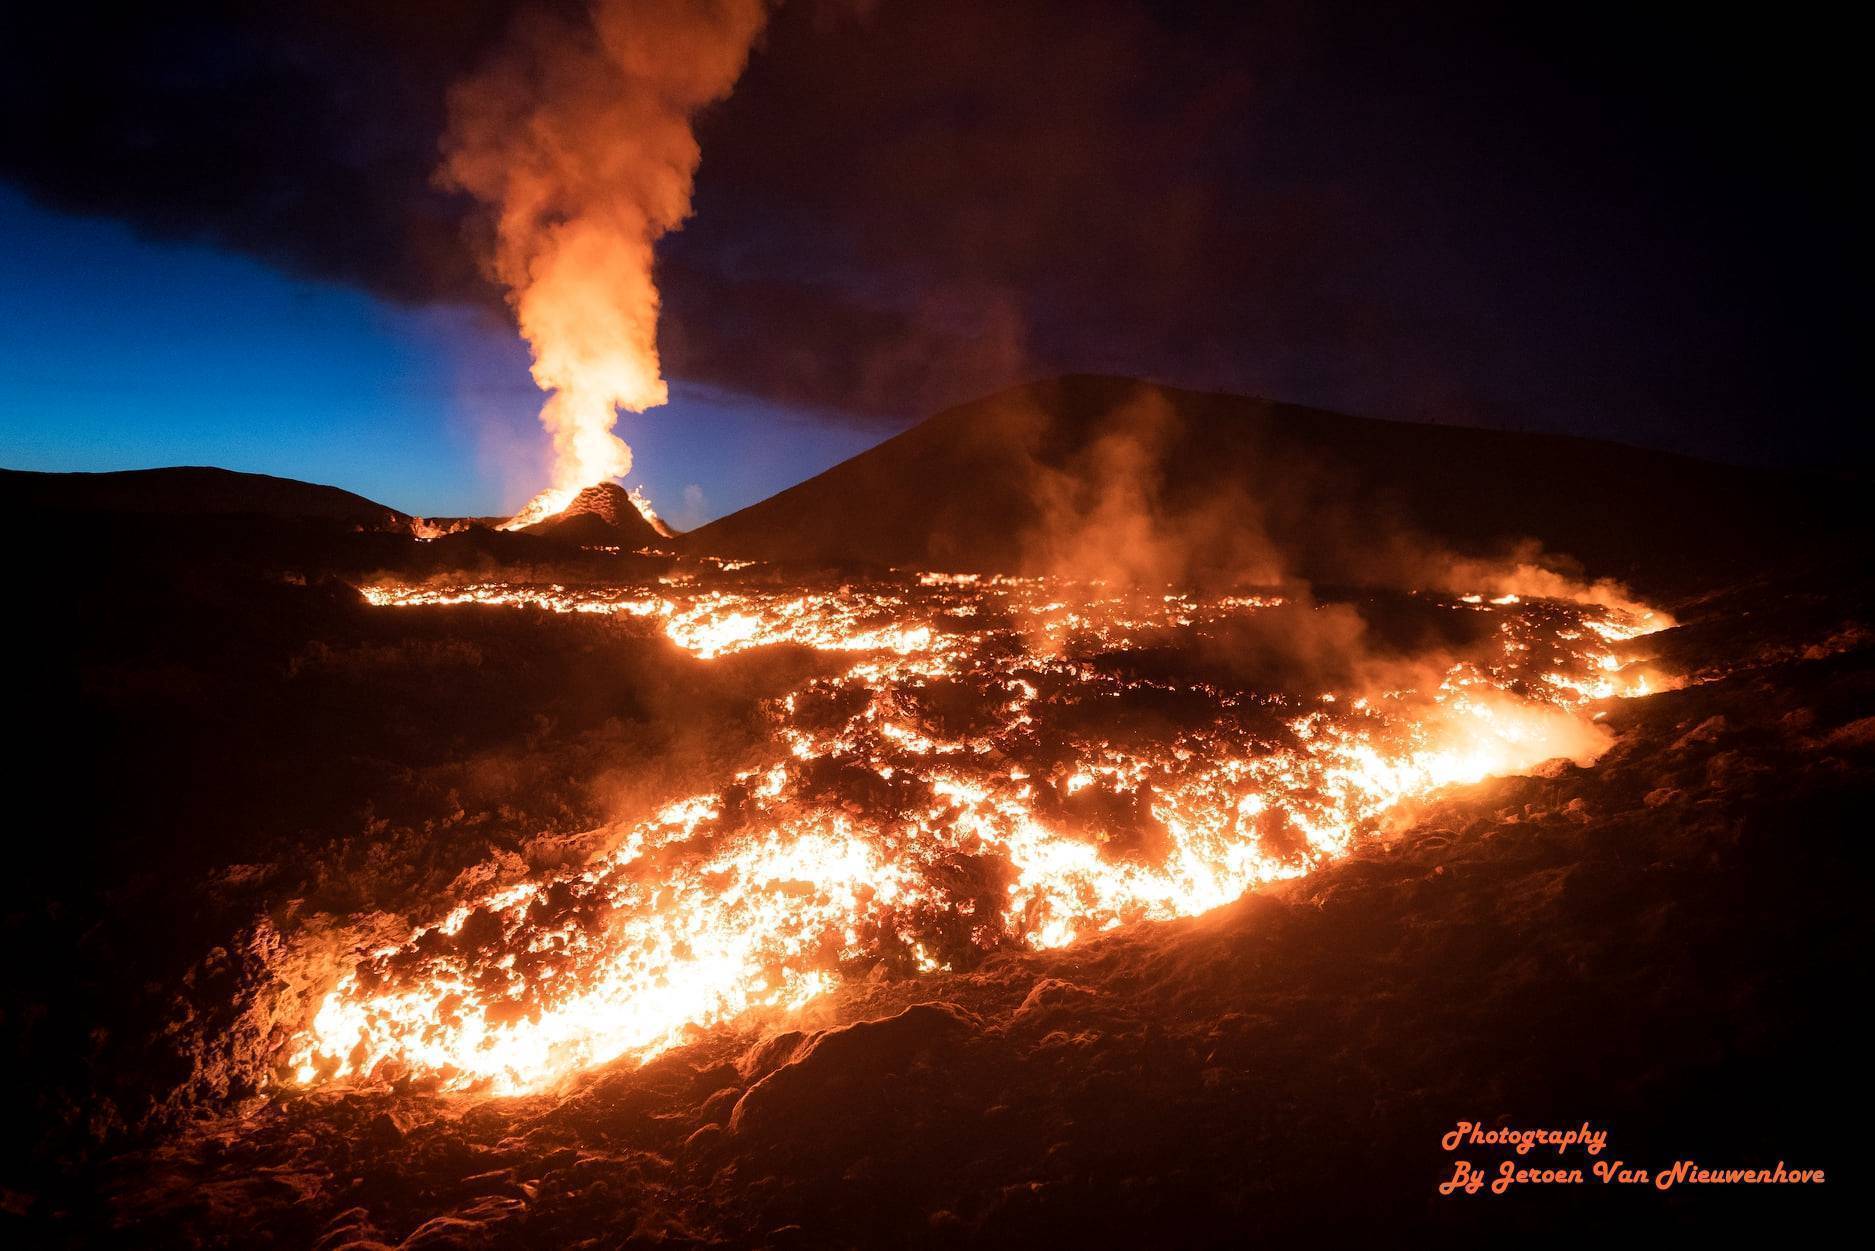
(199, 490)
(1099, 476)
(153, 525)
(1106, 474)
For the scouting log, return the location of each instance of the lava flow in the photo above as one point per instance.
(986, 763)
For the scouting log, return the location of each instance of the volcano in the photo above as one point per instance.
(604, 514)
(1103, 815)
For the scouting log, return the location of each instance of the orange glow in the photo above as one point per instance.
(549, 503)
(577, 139)
(966, 781)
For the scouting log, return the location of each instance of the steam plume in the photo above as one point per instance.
(578, 139)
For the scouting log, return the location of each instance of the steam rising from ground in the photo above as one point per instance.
(987, 763)
(1161, 714)
(578, 138)
(1140, 500)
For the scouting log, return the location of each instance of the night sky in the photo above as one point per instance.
(221, 243)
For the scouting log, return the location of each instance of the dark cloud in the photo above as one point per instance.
(1620, 224)
(304, 135)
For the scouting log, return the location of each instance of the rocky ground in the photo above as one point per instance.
(1666, 944)
(228, 757)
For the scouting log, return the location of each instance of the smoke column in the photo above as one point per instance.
(577, 137)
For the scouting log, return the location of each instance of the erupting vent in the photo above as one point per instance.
(998, 765)
(603, 511)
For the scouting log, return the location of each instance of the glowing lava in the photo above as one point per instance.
(549, 503)
(987, 770)
(597, 498)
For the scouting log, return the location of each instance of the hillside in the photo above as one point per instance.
(150, 526)
(1109, 475)
(195, 490)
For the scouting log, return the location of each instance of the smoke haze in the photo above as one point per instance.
(576, 137)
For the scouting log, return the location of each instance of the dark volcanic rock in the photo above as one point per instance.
(835, 1079)
(179, 526)
(228, 748)
(1659, 944)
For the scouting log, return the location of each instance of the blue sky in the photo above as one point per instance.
(120, 353)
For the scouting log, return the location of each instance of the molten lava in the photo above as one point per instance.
(604, 501)
(979, 773)
(549, 503)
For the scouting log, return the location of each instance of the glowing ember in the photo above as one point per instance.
(600, 499)
(549, 503)
(642, 503)
(986, 771)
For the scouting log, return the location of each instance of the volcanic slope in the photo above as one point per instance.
(600, 515)
(1115, 477)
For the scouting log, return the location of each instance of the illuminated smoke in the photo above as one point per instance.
(957, 779)
(577, 137)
